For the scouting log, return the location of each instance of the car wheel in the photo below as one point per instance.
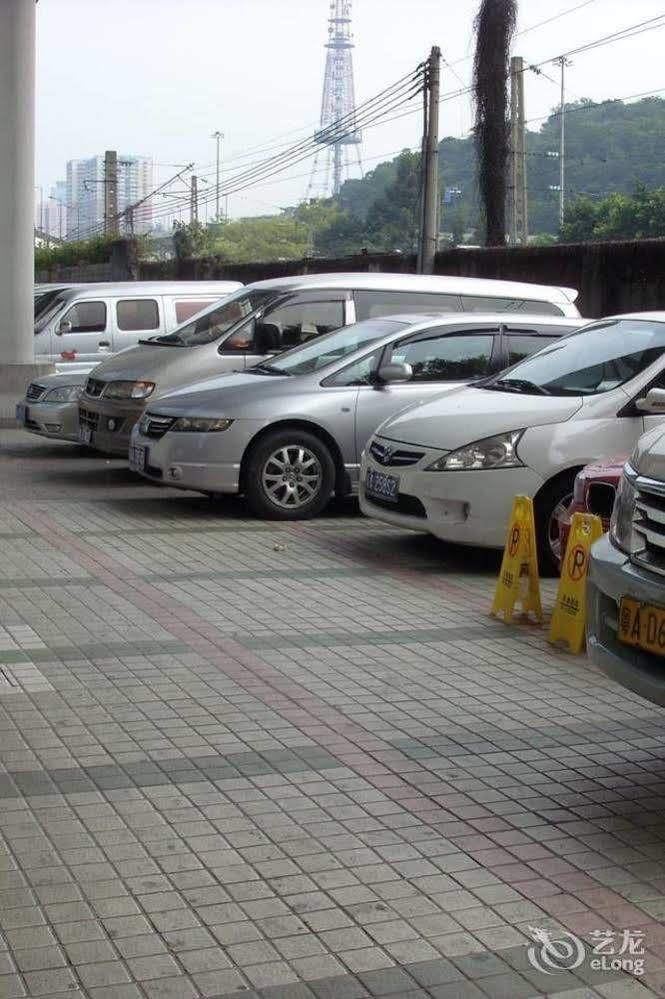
(290, 475)
(548, 507)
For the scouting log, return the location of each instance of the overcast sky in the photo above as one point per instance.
(157, 77)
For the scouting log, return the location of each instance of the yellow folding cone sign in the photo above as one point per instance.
(518, 580)
(569, 617)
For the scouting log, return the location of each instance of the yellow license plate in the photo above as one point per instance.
(642, 626)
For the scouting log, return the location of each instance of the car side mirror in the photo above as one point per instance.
(653, 402)
(395, 373)
(64, 327)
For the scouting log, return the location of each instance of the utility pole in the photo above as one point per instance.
(519, 224)
(194, 200)
(110, 192)
(218, 136)
(562, 62)
(429, 234)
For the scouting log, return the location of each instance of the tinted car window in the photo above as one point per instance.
(521, 346)
(370, 304)
(87, 317)
(446, 358)
(487, 303)
(137, 314)
(597, 359)
(185, 309)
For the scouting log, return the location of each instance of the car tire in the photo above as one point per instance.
(290, 475)
(557, 493)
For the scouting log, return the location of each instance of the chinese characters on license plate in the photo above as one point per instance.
(85, 435)
(642, 626)
(382, 486)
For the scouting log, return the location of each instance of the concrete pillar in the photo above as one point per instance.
(17, 154)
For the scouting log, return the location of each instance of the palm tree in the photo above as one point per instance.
(494, 26)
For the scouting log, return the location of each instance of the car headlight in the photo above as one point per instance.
(129, 390)
(491, 452)
(198, 425)
(64, 393)
(622, 523)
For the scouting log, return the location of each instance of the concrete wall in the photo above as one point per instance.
(610, 277)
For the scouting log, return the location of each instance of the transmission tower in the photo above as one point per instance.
(337, 134)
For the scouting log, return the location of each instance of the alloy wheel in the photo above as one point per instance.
(291, 476)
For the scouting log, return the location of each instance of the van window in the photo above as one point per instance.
(186, 308)
(486, 303)
(87, 317)
(137, 314)
(370, 304)
(446, 358)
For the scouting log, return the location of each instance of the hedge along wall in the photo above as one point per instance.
(610, 277)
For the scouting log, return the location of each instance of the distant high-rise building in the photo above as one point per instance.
(51, 211)
(85, 194)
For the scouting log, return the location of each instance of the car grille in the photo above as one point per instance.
(649, 522)
(410, 506)
(94, 387)
(156, 426)
(88, 419)
(35, 392)
(394, 457)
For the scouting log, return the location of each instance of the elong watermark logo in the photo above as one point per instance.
(610, 950)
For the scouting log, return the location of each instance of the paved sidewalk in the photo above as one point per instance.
(299, 761)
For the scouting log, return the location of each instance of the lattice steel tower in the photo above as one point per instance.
(338, 133)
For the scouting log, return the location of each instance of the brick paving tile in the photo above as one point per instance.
(296, 761)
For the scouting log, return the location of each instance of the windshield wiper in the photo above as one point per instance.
(518, 385)
(267, 369)
(162, 342)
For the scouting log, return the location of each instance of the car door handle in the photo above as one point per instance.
(104, 343)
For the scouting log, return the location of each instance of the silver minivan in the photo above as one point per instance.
(78, 326)
(268, 317)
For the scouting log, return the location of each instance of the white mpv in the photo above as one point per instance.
(452, 466)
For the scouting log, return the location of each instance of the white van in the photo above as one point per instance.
(78, 326)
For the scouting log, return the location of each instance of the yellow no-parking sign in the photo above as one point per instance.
(518, 580)
(569, 617)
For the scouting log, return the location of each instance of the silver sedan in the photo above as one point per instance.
(289, 433)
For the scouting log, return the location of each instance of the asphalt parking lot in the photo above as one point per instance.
(300, 761)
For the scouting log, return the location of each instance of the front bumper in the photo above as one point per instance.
(56, 420)
(613, 576)
(110, 421)
(469, 508)
(207, 463)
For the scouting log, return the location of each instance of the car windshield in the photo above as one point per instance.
(597, 359)
(47, 304)
(210, 325)
(332, 347)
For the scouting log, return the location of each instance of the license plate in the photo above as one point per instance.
(642, 626)
(85, 435)
(383, 486)
(21, 412)
(138, 457)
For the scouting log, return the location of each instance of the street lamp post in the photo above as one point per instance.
(218, 136)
